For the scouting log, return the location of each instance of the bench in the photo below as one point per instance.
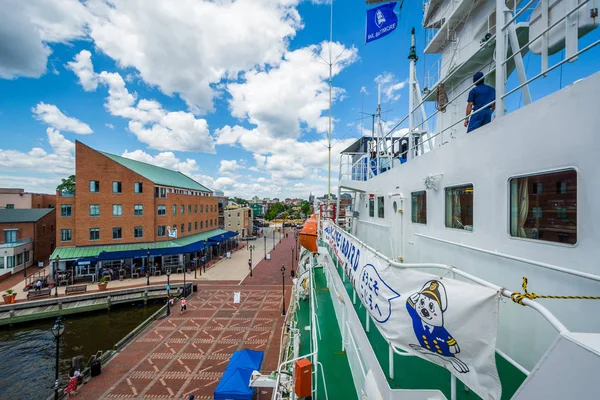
(34, 294)
(75, 289)
(86, 278)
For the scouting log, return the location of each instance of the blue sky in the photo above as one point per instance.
(231, 94)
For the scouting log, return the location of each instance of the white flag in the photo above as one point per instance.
(445, 321)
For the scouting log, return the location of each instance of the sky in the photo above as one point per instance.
(232, 93)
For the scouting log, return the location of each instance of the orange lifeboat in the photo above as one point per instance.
(308, 234)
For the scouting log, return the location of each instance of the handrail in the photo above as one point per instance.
(362, 367)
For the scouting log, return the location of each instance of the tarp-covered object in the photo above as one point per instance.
(446, 321)
(235, 383)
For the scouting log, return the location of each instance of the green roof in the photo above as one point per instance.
(93, 251)
(158, 175)
(17, 215)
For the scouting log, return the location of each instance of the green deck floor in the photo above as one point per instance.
(335, 363)
(430, 376)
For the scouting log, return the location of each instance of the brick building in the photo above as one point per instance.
(124, 209)
(239, 219)
(19, 198)
(27, 237)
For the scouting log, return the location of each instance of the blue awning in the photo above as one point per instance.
(154, 252)
(224, 236)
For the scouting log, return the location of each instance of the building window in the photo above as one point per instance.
(196, 225)
(117, 233)
(201, 208)
(116, 187)
(182, 228)
(10, 262)
(549, 215)
(138, 232)
(117, 210)
(371, 206)
(459, 207)
(65, 235)
(419, 207)
(206, 223)
(26, 254)
(10, 236)
(10, 206)
(162, 209)
(196, 209)
(94, 186)
(211, 222)
(138, 187)
(189, 226)
(138, 209)
(182, 209)
(380, 207)
(65, 210)
(162, 230)
(174, 209)
(163, 192)
(1, 262)
(94, 234)
(19, 259)
(215, 222)
(94, 210)
(189, 208)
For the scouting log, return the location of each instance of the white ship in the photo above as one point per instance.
(474, 213)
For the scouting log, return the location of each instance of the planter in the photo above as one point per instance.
(102, 286)
(9, 298)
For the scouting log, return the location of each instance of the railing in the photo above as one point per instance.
(15, 244)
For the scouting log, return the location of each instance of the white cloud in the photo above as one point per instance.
(228, 166)
(165, 159)
(390, 86)
(109, 126)
(83, 68)
(51, 115)
(293, 93)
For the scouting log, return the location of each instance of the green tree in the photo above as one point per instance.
(67, 185)
(274, 211)
(305, 207)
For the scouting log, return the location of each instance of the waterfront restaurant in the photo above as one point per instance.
(127, 218)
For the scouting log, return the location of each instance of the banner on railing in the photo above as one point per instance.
(445, 321)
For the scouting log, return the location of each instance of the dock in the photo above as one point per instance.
(74, 304)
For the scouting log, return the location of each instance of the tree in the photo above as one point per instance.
(305, 207)
(274, 211)
(67, 185)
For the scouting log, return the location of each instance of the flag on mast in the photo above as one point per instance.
(381, 21)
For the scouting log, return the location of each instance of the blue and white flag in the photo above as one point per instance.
(381, 21)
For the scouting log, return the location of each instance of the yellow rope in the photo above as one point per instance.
(518, 297)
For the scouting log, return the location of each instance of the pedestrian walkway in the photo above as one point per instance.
(182, 355)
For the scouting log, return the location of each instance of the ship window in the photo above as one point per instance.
(371, 207)
(419, 207)
(459, 207)
(549, 215)
(380, 207)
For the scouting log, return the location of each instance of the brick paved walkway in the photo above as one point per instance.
(183, 355)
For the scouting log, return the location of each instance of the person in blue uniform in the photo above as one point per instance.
(480, 96)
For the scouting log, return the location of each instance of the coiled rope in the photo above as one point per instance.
(518, 297)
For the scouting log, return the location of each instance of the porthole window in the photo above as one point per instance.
(544, 207)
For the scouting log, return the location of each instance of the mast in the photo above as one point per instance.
(330, 90)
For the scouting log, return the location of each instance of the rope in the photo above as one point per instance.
(441, 98)
(518, 297)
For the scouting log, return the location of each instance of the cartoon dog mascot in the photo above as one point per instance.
(426, 308)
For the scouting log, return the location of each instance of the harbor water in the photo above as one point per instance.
(28, 351)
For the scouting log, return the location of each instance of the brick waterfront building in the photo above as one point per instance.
(122, 210)
(27, 238)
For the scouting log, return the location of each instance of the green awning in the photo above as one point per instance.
(73, 253)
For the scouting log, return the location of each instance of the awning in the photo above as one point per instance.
(224, 236)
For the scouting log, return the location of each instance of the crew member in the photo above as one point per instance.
(481, 95)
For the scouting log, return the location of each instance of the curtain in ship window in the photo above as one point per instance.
(457, 222)
(523, 206)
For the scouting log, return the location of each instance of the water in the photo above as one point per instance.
(28, 351)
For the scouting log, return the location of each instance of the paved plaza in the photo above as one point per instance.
(182, 355)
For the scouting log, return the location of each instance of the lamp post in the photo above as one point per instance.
(168, 292)
(251, 247)
(184, 287)
(24, 263)
(293, 272)
(204, 259)
(56, 277)
(283, 289)
(223, 243)
(273, 237)
(57, 330)
(265, 237)
(148, 267)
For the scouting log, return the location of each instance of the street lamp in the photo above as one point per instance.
(293, 272)
(223, 243)
(273, 237)
(148, 267)
(251, 247)
(57, 330)
(283, 289)
(184, 287)
(56, 277)
(265, 237)
(204, 259)
(168, 292)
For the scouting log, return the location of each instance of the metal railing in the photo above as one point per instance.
(15, 244)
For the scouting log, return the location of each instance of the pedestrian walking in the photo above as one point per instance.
(183, 306)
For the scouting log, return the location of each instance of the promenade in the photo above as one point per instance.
(186, 354)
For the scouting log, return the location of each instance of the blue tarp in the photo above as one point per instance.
(235, 383)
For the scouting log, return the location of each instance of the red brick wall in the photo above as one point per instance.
(25, 230)
(91, 165)
(43, 200)
(45, 240)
